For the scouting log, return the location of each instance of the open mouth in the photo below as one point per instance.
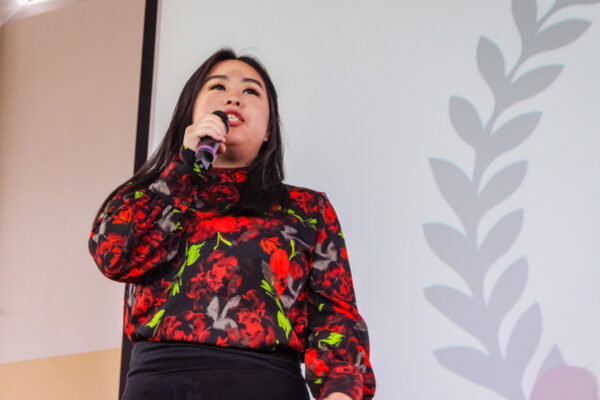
(234, 116)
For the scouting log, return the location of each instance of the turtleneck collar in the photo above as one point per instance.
(231, 175)
(222, 185)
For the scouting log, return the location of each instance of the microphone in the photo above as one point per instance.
(207, 150)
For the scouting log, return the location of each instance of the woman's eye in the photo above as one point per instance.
(251, 91)
(217, 86)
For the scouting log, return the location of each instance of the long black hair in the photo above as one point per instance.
(264, 182)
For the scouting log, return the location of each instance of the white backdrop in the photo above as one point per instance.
(365, 89)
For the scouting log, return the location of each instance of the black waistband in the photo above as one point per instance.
(167, 357)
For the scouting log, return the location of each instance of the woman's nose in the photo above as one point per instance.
(231, 101)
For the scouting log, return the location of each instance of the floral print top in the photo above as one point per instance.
(256, 283)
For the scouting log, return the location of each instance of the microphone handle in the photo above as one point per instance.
(207, 149)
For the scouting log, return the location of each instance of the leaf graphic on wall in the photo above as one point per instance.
(554, 359)
(458, 307)
(524, 339)
(502, 185)
(525, 16)
(560, 34)
(508, 289)
(491, 63)
(466, 121)
(451, 246)
(566, 3)
(500, 238)
(513, 133)
(533, 82)
(469, 254)
(475, 366)
(457, 189)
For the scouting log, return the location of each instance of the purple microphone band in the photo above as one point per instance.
(205, 146)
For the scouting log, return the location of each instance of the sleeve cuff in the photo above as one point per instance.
(177, 181)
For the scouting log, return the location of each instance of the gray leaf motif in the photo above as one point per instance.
(289, 232)
(560, 34)
(452, 247)
(524, 339)
(508, 289)
(456, 188)
(458, 307)
(330, 255)
(565, 3)
(221, 321)
(166, 222)
(290, 285)
(512, 134)
(491, 63)
(525, 16)
(286, 300)
(500, 238)
(267, 272)
(466, 121)
(554, 359)
(532, 82)
(475, 366)
(502, 185)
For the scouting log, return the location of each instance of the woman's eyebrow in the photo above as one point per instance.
(225, 77)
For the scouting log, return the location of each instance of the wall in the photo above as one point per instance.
(69, 83)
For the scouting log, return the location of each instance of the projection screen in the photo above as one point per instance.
(458, 144)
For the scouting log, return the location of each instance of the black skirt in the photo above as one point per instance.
(186, 371)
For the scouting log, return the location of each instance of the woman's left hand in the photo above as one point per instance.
(338, 396)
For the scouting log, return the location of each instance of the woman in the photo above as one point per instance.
(232, 276)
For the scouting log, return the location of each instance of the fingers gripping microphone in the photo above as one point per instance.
(207, 150)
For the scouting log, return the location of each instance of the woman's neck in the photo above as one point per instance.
(226, 161)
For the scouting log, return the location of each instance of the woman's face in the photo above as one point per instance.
(237, 89)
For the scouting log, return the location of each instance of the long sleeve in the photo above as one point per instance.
(140, 230)
(337, 356)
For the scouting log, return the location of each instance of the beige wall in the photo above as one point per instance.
(69, 82)
(85, 376)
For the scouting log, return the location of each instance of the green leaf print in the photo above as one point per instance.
(321, 306)
(265, 285)
(341, 234)
(319, 381)
(156, 319)
(221, 239)
(284, 323)
(138, 194)
(174, 287)
(293, 250)
(197, 170)
(334, 339)
(193, 253)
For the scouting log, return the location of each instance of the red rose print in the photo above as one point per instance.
(270, 244)
(142, 301)
(302, 199)
(280, 265)
(123, 217)
(170, 328)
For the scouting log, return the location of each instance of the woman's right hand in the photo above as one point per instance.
(209, 125)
